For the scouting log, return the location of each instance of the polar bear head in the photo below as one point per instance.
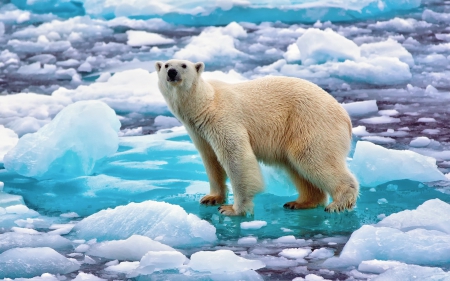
(178, 74)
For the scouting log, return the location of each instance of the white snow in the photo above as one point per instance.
(159, 217)
(222, 261)
(253, 224)
(131, 249)
(77, 137)
(373, 165)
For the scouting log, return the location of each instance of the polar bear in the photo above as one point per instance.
(287, 122)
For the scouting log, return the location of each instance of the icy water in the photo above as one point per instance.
(397, 67)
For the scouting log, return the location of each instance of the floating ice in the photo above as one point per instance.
(164, 222)
(321, 253)
(311, 277)
(419, 236)
(11, 240)
(253, 224)
(373, 165)
(378, 266)
(317, 46)
(413, 272)
(31, 262)
(70, 145)
(361, 108)
(8, 139)
(161, 260)
(389, 48)
(127, 91)
(131, 249)
(222, 261)
(142, 38)
(420, 142)
(246, 241)
(400, 25)
(432, 215)
(378, 139)
(295, 253)
(214, 44)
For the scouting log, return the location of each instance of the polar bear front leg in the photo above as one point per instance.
(216, 173)
(240, 163)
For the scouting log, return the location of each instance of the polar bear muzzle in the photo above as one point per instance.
(173, 75)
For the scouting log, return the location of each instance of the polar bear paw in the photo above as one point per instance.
(228, 210)
(211, 200)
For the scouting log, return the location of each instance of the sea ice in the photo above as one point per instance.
(87, 277)
(388, 48)
(131, 249)
(378, 266)
(413, 272)
(11, 240)
(222, 261)
(321, 253)
(142, 38)
(161, 260)
(253, 224)
(31, 262)
(167, 223)
(373, 165)
(317, 46)
(8, 139)
(127, 91)
(420, 142)
(295, 253)
(361, 108)
(70, 145)
(214, 44)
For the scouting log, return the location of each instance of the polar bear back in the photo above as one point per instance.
(277, 111)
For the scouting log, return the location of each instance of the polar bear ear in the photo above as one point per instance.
(158, 66)
(200, 66)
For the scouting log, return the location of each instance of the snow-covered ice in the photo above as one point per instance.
(31, 262)
(373, 165)
(165, 223)
(69, 146)
(222, 261)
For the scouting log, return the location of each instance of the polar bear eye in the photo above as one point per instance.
(183, 65)
(166, 66)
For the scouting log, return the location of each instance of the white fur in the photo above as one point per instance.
(288, 122)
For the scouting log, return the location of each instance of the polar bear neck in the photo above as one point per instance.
(196, 98)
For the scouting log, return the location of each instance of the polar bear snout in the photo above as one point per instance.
(173, 75)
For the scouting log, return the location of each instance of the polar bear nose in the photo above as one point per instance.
(172, 73)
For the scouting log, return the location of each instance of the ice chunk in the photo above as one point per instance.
(378, 70)
(165, 222)
(11, 240)
(378, 139)
(418, 246)
(246, 241)
(361, 108)
(420, 142)
(317, 46)
(69, 146)
(142, 38)
(432, 215)
(321, 253)
(413, 272)
(373, 165)
(295, 253)
(292, 55)
(124, 267)
(87, 277)
(161, 260)
(389, 48)
(222, 261)
(380, 120)
(253, 224)
(8, 139)
(212, 45)
(131, 249)
(26, 125)
(400, 25)
(30, 262)
(127, 91)
(311, 277)
(377, 266)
